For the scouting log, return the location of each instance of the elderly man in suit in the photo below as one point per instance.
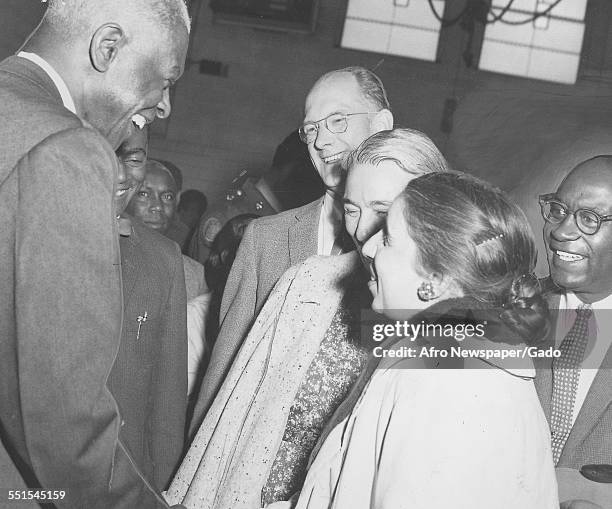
(576, 388)
(343, 108)
(67, 100)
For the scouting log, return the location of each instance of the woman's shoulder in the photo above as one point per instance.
(405, 362)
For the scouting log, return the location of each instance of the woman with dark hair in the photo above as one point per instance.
(427, 426)
(303, 353)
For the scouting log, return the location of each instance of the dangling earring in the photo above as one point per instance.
(426, 292)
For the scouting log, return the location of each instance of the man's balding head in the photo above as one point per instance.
(370, 85)
(74, 17)
(343, 108)
(581, 262)
(119, 58)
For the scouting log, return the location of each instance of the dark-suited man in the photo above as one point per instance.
(343, 108)
(576, 389)
(155, 205)
(149, 377)
(67, 101)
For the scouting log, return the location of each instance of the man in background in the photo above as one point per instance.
(155, 205)
(89, 72)
(343, 108)
(576, 389)
(149, 376)
(191, 207)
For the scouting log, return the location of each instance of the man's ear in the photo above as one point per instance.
(382, 121)
(105, 44)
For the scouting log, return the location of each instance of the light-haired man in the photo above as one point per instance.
(343, 108)
(88, 73)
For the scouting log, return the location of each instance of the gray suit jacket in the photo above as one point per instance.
(60, 299)
(590, 440)
(149, 377)
(269, 247)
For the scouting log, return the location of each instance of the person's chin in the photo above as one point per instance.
(566, 281)
(568, 274)
(333, 179)
(160, 227)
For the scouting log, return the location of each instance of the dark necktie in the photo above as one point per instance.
(342, 244)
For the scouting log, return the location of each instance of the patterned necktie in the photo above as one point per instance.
(566, 374)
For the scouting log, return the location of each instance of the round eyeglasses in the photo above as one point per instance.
(336, 123)
(555, 211)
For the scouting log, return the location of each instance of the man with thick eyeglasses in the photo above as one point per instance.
(575, 389)
(343, 108)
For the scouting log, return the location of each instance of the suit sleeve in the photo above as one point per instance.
(69, 311)
(171, 379)
(238, 310)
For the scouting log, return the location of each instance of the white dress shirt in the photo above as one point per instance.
(330, 224)
(600, 339)
(197, 347)
(59, 83)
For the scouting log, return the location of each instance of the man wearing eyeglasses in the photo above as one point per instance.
(575, 389)
(343, 108)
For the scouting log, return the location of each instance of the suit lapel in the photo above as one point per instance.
(599, 396)
(304, 233)
(130, 270)
(597, 400)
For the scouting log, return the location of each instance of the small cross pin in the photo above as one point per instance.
(140, 319)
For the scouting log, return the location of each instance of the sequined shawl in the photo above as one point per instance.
(233, 451)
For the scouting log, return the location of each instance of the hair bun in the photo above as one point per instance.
(526, 310)
(523, 290)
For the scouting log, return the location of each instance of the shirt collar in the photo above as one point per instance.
(570, 301)
(60, 84)
(332, 206)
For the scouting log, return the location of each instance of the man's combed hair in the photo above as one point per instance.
(409, 149)
(73, 16)
(371, 86)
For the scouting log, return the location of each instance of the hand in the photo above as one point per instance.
(579, 504)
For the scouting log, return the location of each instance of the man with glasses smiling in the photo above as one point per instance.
(575, 389)
(343, 108)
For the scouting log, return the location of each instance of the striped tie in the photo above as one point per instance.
(566, 374)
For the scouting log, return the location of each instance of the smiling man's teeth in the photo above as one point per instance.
(332, 159)
(139, 121)
(121, 192)
(568, 257)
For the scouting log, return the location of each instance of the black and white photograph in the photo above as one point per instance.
(305, 254)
